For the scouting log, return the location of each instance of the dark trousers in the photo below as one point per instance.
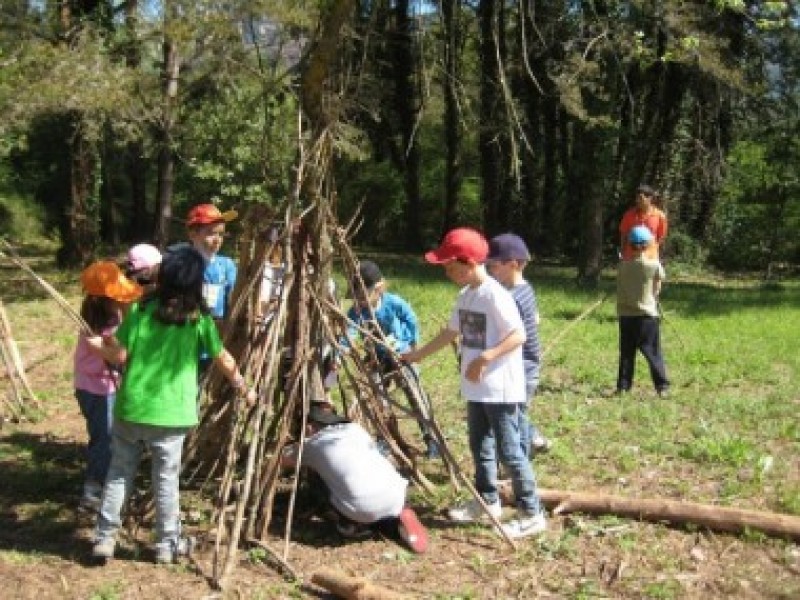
(640, 333)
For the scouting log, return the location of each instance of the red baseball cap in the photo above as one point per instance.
(460, 243)
(206, 214)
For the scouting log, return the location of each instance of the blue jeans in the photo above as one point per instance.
(166, 448)
(494, 432)
(98, 411)
(527, 429)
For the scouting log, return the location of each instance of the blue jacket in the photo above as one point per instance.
(394, 316)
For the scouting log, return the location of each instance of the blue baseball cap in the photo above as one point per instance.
(508, 246)
(640, 236)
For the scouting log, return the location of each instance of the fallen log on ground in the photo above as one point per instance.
(352, 588)
(717, 518)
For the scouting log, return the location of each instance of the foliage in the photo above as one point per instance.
(756, 222)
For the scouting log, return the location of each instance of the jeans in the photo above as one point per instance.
(494, 431)
(98, 411)
(527, 429)
(166, 447)
(640, 333)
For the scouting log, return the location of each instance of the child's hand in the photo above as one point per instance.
(95, 342)
(476, 369)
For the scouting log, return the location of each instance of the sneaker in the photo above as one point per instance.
(525, 524)
(104, 549)
(168, 552)
(352, 530)
(663, 392)
(165, 554)
(541, 445)
(411, 531)
(472, 511)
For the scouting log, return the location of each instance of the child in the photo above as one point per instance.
(374, 306)
(364, 487)
(142, 266)
(206, 228)
(159, 342)
(638, 285)
(508, 256)
(108, 293)
(492, 379)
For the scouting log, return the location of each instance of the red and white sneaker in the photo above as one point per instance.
(412, 531)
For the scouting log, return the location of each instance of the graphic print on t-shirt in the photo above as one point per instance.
(473, 329)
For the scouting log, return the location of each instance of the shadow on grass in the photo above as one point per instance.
(39, 480)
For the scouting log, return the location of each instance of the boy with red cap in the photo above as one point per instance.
(488, 323)
(206, 226)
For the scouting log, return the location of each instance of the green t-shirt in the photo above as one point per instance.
(160, 382)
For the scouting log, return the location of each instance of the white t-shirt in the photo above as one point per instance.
(484, 316)
(364, 485)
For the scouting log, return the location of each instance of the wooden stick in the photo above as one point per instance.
(60, 300)
(717, 518)
(574, 322)
(352, 588)
(16, 359)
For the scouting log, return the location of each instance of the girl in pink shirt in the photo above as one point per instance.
(108, 293)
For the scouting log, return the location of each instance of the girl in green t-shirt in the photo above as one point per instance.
(159, 341)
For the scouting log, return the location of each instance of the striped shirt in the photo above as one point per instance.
(525, 298)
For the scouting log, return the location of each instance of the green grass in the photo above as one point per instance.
(728, 435)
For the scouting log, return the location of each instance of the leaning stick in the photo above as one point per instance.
(574, 322)
(60, 300)
(16, 359)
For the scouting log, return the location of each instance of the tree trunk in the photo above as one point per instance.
(490, 147)
(406, 98)
(166, 157)
(81, 231)
(135, 163)
(452, 128)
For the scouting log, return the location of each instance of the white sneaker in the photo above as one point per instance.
(472, 511)
(525, 524)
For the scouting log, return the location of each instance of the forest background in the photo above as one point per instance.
(537, 116)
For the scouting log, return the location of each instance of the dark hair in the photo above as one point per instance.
(99, 312)
(646, 190)
(180, 289)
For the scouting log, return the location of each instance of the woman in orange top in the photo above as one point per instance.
(643, 213)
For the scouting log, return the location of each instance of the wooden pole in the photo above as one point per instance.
(352, 588)
(717, 518)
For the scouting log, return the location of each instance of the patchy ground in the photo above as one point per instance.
(45, 542)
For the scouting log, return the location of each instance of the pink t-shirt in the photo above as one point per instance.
(92, 373)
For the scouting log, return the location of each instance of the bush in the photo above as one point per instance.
(682, 249)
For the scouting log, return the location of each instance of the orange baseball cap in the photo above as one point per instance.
(104, 278)
(206, 214)
(461, 243)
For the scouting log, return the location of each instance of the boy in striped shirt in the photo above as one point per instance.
(506, 262)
